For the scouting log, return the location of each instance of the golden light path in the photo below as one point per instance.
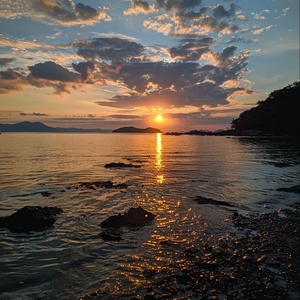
(160, 177)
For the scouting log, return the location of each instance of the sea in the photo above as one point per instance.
(71, 259)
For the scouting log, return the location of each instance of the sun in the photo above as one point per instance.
(159, 118)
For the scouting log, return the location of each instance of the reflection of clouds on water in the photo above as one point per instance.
(158, 164)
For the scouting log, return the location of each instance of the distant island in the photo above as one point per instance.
(278, 115)
(40, 127)
(132, 129)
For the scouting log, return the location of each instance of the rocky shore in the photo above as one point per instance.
(262, 261)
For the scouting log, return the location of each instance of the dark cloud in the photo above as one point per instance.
(176, 84)
(191, 49)
(84, 68)
(108, 49)
(52, 71)
(11, 81)
(34, 114)
(211, 24)
(6, 61)
(125, 117)
(178, 4)
(66, 12)
(220, 12)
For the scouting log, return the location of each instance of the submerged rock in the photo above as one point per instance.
(293, 189)
(134, 217)
(203, 200)
(120, 165)
(103, 184)
(30, 218)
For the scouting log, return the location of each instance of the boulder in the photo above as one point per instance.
(134, 217)
(30, 218)
(120, 165)
(203, 200)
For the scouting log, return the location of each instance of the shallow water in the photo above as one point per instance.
(70, 259)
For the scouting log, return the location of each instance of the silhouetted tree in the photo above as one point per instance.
(279, 114)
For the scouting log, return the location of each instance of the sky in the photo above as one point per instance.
(114, 63)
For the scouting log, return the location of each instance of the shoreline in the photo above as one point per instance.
(261, 261)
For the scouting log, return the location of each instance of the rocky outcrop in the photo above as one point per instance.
(293, 189)
(120, 165)
(203, 200)
(134, 217)
(30, 218)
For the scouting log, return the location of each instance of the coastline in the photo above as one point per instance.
(262, 261)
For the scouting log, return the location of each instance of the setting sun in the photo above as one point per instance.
(159, 118)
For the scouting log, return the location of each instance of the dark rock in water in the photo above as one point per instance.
(46, 194)
(114, 221)
(110, 236)
(293, 189)
(103, 184)
(203, 200)
(120, 165)
(134, 217)
(30, 218)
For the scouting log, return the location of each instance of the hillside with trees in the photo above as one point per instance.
(279, 114)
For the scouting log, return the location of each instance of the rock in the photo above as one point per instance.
(293, 189)
(134, 217)
(120, 165)
(46, 194)
(30, 218)
(107, 236)
(203, 200)
(103, 184)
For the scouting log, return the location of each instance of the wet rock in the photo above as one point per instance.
(110, 236)
(293, 189)
(103, 184)
(120, 165)
(46, 194)
(203, 200)
(134, 217)
(31, 218)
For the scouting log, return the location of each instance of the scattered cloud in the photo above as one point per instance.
(34, 114)
(261, 30)
(140, 7)
(4, 61)
(65, 12)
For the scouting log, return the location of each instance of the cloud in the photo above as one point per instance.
(11, 81)
(20, 44)
(162, 84)
(52, 71)
(125, 117)
(261, 30)
(142, 82)
(5, 61)
(65, 12)
(108, 49)
(202, 21)
(84, 68)
(191, 49)
(177, 4)
(139, 7)
(34, 114)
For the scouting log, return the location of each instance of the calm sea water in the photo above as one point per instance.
(70, 259)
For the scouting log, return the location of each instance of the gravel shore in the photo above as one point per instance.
(262, 261)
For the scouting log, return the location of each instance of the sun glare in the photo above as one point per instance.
(159, 118)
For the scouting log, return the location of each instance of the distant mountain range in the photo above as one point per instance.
(132, 129)
(40, 127)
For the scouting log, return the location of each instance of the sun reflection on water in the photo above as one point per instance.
(158, 164)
